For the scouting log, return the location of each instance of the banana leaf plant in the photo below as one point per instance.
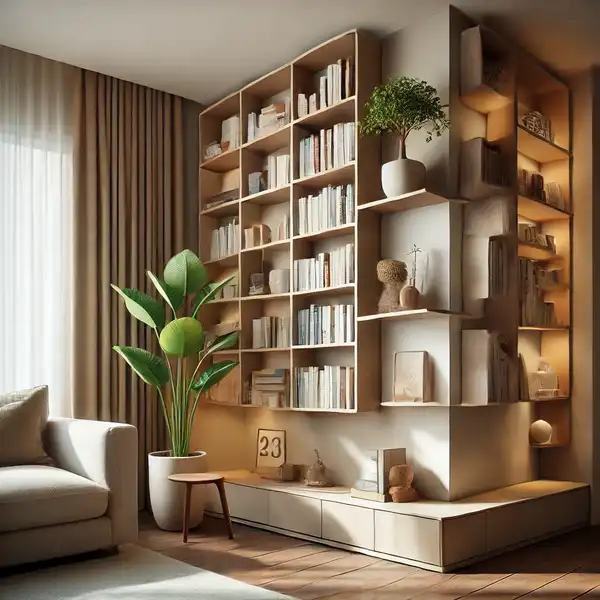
(182, 369)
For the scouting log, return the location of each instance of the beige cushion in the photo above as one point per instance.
(38, 495)
(23, 417)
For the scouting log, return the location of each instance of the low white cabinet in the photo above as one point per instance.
(347, 524)
(295, 513)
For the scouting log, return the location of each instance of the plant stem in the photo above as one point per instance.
(402, 144)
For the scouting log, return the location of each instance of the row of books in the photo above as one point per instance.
(534, 310)
(531, 234)
(278, 170)
(327, 269)
(331, 207)
(270, 119)
(269, 387)
(493, 167)
(501, 255)
(225, 240)
(531, 185)
(271, 332)
(329, 149)
(325, 324)
(222, 198)
(328, 387)
(230, 138)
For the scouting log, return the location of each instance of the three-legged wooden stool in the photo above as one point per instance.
(191, 479)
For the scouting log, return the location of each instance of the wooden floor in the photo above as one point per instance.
(559, 569)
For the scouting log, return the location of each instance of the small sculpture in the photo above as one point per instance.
(409, 295)
(392, 273)
(316, 474)
(401, 489)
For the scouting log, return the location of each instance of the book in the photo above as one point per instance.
(375, 474)
(366, 495)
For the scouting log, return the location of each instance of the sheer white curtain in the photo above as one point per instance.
(37, 127)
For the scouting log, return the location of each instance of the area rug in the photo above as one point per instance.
(134, 573)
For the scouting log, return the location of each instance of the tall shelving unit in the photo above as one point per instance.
(230, 170)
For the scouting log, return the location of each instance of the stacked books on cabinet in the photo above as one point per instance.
(326, 324)
(269, 387)
(533, 280)
(225, 240)
(329, 149)
(271, 332)
(328, 269)
(271, 118)
(278, 170)
(324, 388)
(531, 234)
(335, 85)
(331, 207)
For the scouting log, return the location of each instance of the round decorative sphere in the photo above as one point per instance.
(391, 271)
(541, 431)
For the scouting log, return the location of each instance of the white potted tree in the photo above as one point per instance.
(180, 375)
(400, 106)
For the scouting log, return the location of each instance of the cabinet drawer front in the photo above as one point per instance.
(409, 537)
(247, 503)
(348, 524)
(295, 513)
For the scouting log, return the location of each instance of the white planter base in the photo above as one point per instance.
(167, 497)
(402, 176)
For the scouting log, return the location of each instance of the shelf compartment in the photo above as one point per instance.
(225, 261)
(338, 113)
(270, 84)
(485, 99)
(271, 142)
(259, 297)
(540, 212)
(338, 290)
(417, 199)
(419, 313)
(337, 176)
(223, 301)
(226, 161)
(324, 346)
(277, 245)
(227, 209)
(273, 196)
(537, 147)
(329, 52)
(535, 252)
(327, 233)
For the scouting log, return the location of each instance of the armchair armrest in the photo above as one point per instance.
(105, 453)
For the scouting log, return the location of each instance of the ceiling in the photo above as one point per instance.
(203, 49)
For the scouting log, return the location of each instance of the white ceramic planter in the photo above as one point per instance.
(402, 176)
(167, 497)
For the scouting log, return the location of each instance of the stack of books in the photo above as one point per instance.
(331, 207)
(328, 269)
(212, 149)
(222, 198)
(535, 312)
(493, 170)
(329, 149)
(230, 133)
(531, 185)
(271, 332)
(225, 240)
(374, 483)
(531, 234)
(278, 170)
(229, 291)
(326, 324)
(269, 387)
(281, 230)
(271, 118)
(324, 388)
(307, 106)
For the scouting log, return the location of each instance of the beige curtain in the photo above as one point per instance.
(129, 217)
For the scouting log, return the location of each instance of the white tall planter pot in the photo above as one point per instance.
(402, 176)
(167, 497)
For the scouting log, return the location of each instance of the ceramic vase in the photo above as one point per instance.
(402, 176)
(167, 497)
(409, 297)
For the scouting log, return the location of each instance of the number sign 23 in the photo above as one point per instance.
(270, 449)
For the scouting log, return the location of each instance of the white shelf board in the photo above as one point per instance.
(416, 199)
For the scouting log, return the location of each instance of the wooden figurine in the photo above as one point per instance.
(401, 478)
(392, 273)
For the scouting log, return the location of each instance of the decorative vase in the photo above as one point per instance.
(540, 432)
(167, 497)
(392, 274)
(409, 297)
(402, 176)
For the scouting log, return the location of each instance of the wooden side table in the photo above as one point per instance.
(191, 479)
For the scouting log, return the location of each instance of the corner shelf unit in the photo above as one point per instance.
(521, 85)
(230, 170)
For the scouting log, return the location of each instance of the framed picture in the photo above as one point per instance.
(270, 448)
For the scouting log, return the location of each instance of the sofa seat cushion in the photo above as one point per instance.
(37, 495)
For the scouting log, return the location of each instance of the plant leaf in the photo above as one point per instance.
(214, 374)
(182, 337)
(147, 366)
(208, 292)
(185, 273)
(143, 307)
(222, 343)
(172, 297)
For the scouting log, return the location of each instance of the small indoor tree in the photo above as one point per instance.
(182, 342)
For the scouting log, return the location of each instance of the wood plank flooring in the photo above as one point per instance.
(563, 568)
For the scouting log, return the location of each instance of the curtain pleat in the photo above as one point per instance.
(129, 201)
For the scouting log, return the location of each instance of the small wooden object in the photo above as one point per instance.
(191, 479)
(401, 479)
(392, 273)
(286, 472)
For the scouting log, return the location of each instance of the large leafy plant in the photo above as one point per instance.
(182, 341)
(402, 105)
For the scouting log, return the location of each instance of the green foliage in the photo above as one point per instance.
(180, 340)
(402, 105)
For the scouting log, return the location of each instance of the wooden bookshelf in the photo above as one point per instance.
(230, 171)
